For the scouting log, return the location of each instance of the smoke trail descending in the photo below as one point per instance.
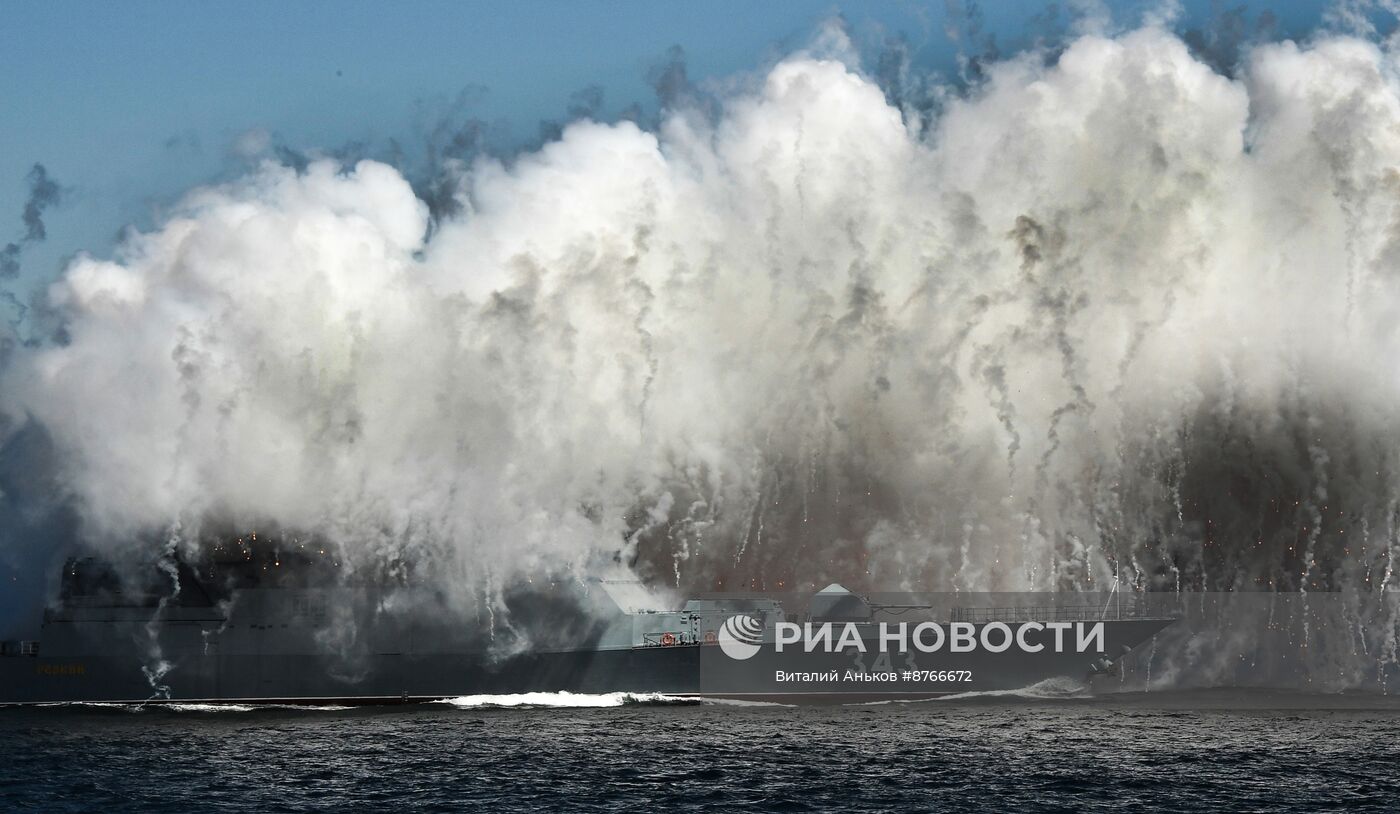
(1113, 313)
(44, 192)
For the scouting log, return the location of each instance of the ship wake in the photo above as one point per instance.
(566, 700)
(183, 707)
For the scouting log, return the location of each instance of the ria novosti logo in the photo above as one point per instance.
(740, 637)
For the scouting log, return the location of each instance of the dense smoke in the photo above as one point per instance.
(1109, 314)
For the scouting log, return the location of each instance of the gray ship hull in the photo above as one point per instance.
(201, 641)
(92, 662)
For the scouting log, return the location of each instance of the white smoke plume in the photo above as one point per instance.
(1108, 316)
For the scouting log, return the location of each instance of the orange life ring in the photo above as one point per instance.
(711, 637)
(668, 639)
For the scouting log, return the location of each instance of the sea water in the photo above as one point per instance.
(1052, 749)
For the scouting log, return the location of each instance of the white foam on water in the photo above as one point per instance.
(540, 700)
(742, 702)
(131, 706)
(99, 704)
(1050, 689)
(248, 707)
(207, 707)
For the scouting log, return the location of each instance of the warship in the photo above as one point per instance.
(277, 629)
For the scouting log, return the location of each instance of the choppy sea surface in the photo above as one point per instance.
(1187, 751)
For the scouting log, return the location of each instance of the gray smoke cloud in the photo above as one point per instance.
(44, 192)
(1107, 317)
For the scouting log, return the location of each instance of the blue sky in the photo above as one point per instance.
(129, 104)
